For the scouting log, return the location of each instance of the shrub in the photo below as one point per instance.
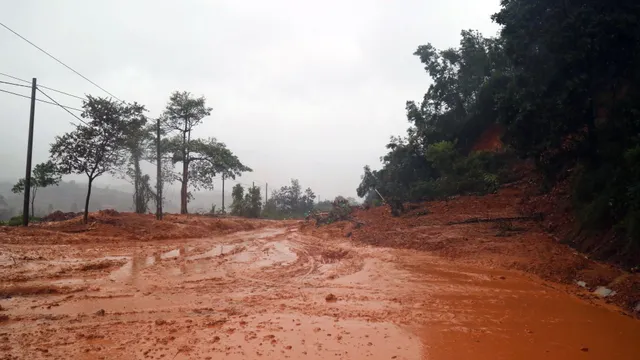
(17, 220)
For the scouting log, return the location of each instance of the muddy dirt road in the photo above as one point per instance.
(275, 292)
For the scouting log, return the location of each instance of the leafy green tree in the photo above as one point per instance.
(307, 201)
(43, 175)
(289, 201)
(201, 159)
(238, 204)
(182, 114)
(253, 202)
(460, 103)
(137, 140)
(208, 158)
(93, 149)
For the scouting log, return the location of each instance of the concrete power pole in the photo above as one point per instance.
(27, 176)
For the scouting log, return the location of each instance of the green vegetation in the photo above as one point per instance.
(43, 175)
(247, 205)
(17, 221)
(118, 136)
(289, 202)
(561, 78)
(201, 159)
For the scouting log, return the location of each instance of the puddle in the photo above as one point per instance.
(279, 252)
(132, 268)
(219, 250)
(174, 253)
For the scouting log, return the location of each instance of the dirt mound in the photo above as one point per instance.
(110, 225)
(108, 212)
(60, 216)
(445, 228)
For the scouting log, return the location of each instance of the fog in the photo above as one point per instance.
(306, 90)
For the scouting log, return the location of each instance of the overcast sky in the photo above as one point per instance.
(299, 89)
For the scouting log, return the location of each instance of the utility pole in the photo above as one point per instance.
(266, 193)
(223, 193)
(158, 173)
(27, 176)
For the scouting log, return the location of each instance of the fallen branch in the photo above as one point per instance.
(536, 217)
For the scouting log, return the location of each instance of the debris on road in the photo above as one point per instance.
(603, 291)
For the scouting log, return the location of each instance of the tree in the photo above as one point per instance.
(93, 149)
(253, 202)
(572, 102)
(182, 114)
(458, 105)
(43, 175)
(289, 201)
(137, 141)
(208, 158)
(211, 158)
(307, 201)
(238, 204)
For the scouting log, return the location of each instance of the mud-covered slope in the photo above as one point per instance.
(464, 229)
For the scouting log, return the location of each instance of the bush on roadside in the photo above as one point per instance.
(17, 221)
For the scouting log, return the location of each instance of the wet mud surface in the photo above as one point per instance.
(275, 292)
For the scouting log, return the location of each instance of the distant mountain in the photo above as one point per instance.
(70, 196)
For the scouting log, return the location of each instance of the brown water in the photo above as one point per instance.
(265, 295)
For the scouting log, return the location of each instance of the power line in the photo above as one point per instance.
(62, 92)
(40, 100)
(42, 86)
(65, 108)
(15, 78)
(14, 84)
(59, 61)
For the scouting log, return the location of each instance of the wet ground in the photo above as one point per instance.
(275, 293)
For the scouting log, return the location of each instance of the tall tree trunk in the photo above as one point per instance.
(86, 203)
(183, 191)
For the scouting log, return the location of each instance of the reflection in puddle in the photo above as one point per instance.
(132, 268)
(174, 253)
(218, 250)
(267, 255)
(258, 255)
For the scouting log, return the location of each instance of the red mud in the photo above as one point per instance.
(129, 287)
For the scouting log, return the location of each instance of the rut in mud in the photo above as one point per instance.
(279, 292)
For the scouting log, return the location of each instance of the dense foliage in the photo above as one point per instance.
(561, 78)
(247, 205)
(289, 202)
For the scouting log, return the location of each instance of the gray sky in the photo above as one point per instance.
(300, 89)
